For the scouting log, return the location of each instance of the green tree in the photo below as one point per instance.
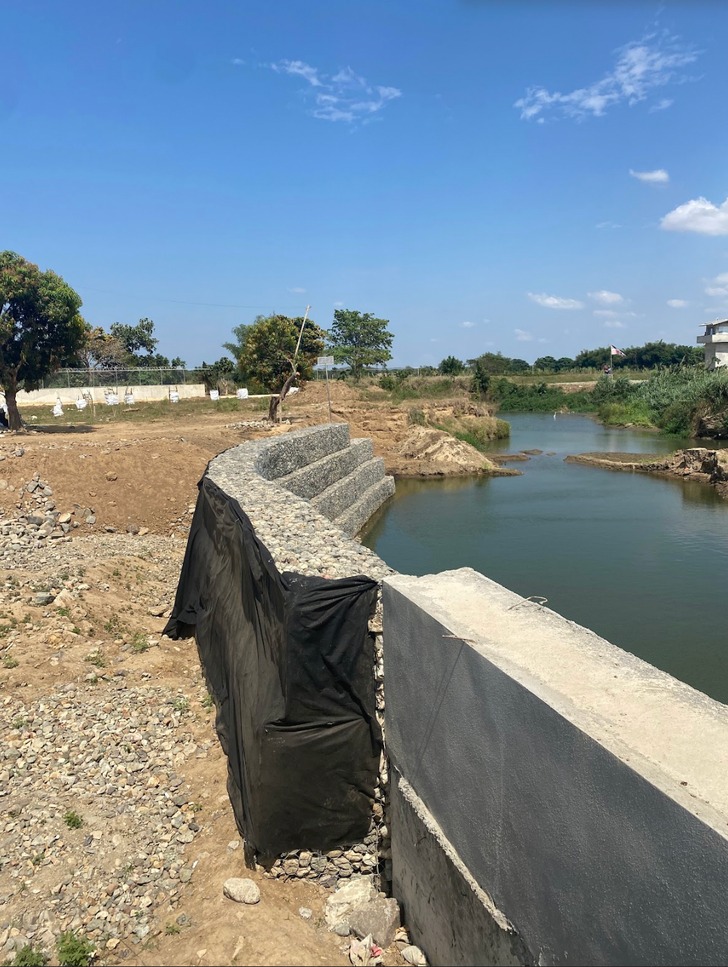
(481, 379)
(592, 358)
(495, 364)
(450, 366)
(546, 364)
(213, 373)
(270, 347)
(101, 351)
(359, 339)
(139, 343)
(237, 348)
(519, 366)
(564, 364)
(41, 328)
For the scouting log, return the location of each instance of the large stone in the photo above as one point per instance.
(378, 917)
(359, 890)
(241, 890)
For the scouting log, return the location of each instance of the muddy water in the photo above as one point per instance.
(640, 559)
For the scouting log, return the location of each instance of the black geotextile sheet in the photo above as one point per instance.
(289, 663)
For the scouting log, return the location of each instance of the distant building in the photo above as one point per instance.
(715, 341)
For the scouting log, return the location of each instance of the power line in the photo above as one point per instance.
(181, 302)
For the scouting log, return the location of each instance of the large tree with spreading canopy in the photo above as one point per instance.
(40, 327)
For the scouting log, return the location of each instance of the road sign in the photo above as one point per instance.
(325, 361)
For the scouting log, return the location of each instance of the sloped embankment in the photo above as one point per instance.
(697, 463)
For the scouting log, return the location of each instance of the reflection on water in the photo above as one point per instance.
(641, 559)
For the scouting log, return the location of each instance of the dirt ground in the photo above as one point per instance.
(145, 474)
(85, 654)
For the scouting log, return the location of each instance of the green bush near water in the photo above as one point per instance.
(679, 400)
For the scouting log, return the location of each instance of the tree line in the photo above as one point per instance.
(42, 330)
(652, 355)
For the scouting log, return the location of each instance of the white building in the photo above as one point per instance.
(715, 341)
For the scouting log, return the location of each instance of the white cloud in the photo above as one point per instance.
(345, 96)
(641, 67)
(698, 215)
(615, 324)
(662, 105)
(657, 177)
(612, 313)
(605, 297)
(718, 285)
(523, 336)
(678, 303)
(298, 289)
(554, 301)
(338, 304)
(607, 225)
(299, 68)
(467, 325)
(237, 61)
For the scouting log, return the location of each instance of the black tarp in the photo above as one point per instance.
(289, 662)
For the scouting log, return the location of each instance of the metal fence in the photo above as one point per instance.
(142, 376)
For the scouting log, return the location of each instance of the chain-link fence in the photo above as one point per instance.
(143, 376)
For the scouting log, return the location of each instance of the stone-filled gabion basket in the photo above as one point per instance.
(302, 539)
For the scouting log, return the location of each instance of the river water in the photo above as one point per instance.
(640, 559)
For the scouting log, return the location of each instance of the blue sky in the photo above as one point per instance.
(531, 177)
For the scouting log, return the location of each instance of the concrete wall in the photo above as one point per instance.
(563, 802)
(42, 397)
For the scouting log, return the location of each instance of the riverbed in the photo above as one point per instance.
(640, 559)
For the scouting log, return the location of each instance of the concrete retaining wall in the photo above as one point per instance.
(142, 394)
(563, 802)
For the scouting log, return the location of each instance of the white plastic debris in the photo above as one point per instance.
(58, 409)
(214, 395)
(242, 394)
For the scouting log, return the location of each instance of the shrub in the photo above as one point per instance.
(74, 951)
(29, 956)
(72, 819)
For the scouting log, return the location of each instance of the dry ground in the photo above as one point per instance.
(118, 588)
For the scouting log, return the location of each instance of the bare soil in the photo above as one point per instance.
(118, 589)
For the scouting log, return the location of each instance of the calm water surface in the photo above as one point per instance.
(642, 560)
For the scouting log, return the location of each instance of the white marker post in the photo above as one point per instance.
(327, 361)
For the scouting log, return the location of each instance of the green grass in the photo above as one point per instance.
(139, 643)
(10, 662)
(171, 929)
(29, 956)
(74, 950)
(114, 625)
(72, 819)
(146, 412)
(181, 704)
(96, 658)
(634, 412)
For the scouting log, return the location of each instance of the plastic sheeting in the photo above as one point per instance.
(289, 662)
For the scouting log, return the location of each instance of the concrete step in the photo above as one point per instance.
(353, 519)
(301, 448)
(312, 480)
(343, 493)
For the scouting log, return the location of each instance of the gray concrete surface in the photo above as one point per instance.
(444, 908)
(585, 791)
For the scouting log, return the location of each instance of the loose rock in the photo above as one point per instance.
(241, 890)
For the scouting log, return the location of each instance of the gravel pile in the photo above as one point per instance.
(94, 812)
